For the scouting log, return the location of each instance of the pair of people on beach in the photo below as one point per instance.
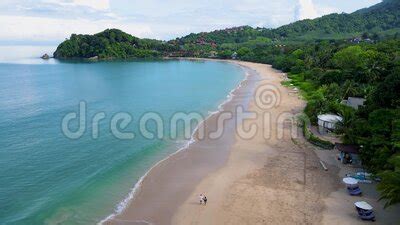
(203, 199)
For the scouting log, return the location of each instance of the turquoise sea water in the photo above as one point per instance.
(47, 178)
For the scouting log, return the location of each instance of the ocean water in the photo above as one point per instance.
(48, 178)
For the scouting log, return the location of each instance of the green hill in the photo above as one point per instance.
(109, 44)
(380, 19)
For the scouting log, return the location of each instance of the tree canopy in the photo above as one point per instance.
(109, 44)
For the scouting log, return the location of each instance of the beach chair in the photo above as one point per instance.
(365, 211)
(352, 186)
(354, 190)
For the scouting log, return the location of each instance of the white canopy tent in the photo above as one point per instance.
(327, 122)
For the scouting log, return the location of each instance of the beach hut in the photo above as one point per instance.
(234, 55)
(354, 102)
(327, 123)
(213, 54)
(349, 154)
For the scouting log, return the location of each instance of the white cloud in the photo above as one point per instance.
(94, 4)
(305, 9)
(325, 10)
(50, 29)
(44, 20)
(173, 18)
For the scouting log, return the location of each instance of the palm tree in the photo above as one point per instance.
(346, 125)
(390, 184)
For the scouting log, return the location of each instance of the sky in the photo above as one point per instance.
(41, 22)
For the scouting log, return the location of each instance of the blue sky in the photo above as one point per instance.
(51, 21)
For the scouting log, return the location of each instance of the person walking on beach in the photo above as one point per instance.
(201, 197)
(205, 200)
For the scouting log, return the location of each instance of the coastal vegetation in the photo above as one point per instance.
(329, 58)
(329, 72)
(110, 44)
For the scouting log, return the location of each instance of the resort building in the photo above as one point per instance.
(234, 55)
(354, 102)
(213, 54)
(328, 123)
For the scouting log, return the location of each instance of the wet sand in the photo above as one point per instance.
(272, 177)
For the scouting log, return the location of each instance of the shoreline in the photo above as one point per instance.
(124, 204)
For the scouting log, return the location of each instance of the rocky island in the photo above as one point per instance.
(45, 56)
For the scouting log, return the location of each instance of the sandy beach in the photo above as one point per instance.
(270, 177)
(265, 181)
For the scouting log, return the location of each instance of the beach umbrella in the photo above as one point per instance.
(350, 181)
(363, 205)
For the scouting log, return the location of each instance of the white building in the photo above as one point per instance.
(354, 102)
(328, 122)
(234, 55)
